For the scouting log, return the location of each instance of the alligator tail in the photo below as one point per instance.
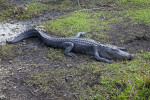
(24, 35)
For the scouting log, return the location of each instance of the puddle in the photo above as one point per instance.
(8, 30)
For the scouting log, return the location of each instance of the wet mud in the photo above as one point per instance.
(10, 29)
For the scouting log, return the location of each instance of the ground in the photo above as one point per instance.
(30, 70)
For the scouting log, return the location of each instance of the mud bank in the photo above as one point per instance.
(10, 29)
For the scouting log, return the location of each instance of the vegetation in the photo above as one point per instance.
(77, 22)
(94, 80)
(8, 52)
(139, 16)
(31, 10)
(4, 7)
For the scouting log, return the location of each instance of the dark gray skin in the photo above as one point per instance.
(79, 45)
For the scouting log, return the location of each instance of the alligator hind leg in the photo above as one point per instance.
(80, 34)
(69, 46)
(96, 55)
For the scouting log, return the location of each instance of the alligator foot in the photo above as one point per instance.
(69, 46)
(80, 34)
(71, 55)
(100, 58)
(103, 60)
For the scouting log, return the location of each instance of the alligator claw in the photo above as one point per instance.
(109, 62)
(73, 55)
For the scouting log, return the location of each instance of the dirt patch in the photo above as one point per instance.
(134, 37)
(19, 2)
(138, 44)
(31, 58)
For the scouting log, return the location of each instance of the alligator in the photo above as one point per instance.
(101, 52)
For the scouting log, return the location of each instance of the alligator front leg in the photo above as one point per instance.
(80, 34)
(69, 46)
(96, 55)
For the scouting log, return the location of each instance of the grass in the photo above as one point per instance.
(93, 22)
(65, 5)
(53, 55)
(137, 10)
(8, 52)
(94, 80)
(27, 11)
(139, 16)
(36, 8)
(33, 9)
(133, 4)
(97, 23)
(5, 9)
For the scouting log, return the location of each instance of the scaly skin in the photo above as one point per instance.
(79, 45)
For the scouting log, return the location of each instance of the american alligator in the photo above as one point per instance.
(79, 45)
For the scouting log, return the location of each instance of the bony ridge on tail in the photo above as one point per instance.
(100, 51)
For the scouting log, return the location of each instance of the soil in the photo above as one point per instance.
(31, 57)
(135, 43)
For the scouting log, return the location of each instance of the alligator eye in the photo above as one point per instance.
(112, 51)
(115, 50)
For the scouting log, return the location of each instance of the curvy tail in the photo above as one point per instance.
(24, 35)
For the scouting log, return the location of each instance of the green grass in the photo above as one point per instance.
(95, 81)
(8, 52)
(73, 23)
(5, 9)
(139, 16)
(126, 81)
(93, 22)
(135, 1)
(33, 9)
(138, 11)
(133, 4)
(65, 5)
(57, 54)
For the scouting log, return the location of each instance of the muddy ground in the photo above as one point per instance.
(29, 57)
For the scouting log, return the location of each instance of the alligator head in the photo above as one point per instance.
(112, 53)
